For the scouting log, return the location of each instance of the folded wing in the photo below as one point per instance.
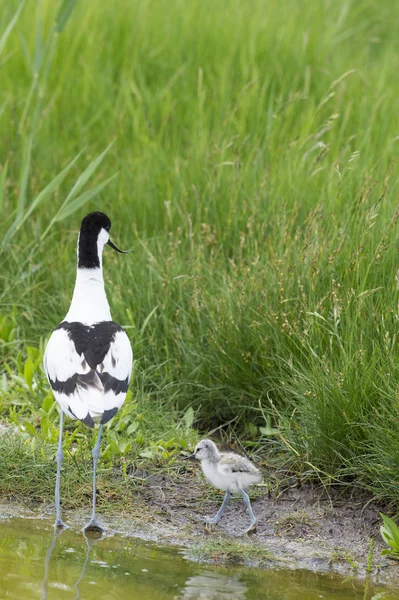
(89, 369)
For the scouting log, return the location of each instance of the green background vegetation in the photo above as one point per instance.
(254, 148)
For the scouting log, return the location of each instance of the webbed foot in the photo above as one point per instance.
(59, 524)
(94, 527)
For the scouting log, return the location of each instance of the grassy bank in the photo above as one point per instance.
(253, 148)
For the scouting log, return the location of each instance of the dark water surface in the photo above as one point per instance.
(34, 563)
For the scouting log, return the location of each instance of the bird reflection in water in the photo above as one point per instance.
(89, 543)
(214, 586)
(57, 532)
(90, 540)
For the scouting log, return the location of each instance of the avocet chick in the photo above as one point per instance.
(229, 472)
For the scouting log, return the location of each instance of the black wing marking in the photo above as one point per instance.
(93, 341)
(98, 359)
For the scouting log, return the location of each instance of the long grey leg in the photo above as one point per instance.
(216, 518)
(249, 507)
(94, 524)
(59, 457)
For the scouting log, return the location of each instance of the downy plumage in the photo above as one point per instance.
(229, 472)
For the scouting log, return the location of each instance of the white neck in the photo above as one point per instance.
(211, 460)
(89, 302)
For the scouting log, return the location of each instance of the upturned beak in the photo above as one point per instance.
(188, 457)
(116, 248)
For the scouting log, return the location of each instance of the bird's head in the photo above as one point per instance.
(205, 450)
(94, 235)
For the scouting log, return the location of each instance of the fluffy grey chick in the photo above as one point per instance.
(229, 472)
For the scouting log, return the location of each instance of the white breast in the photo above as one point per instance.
(220, 480)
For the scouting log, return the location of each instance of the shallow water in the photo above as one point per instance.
(35, 563)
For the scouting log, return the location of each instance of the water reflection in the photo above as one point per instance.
(89, 544)
(214, 586)
(49, 552)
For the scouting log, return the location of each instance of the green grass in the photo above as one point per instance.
(224, 550)
(139, 442)
(256, 181)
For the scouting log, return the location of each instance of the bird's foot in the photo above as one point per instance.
(94, 527)
(60, 525)
(251, 528)
(210, 521)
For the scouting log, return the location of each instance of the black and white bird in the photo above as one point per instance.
(88, 358)
(229, 472)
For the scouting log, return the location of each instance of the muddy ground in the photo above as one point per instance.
(304, 527)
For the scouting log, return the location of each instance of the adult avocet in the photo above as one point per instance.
(88, 358)
(229, 472)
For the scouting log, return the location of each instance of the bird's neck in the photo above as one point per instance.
(90, 250)
(89, 302)
(212, 460)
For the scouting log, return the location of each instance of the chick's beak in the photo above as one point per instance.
(116, 247)
(188, 457)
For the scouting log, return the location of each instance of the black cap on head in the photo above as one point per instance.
(95, 221)
(90, 228)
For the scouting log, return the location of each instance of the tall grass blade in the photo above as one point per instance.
(80, 182)
(85, 176)
(73, 206)
(40, 198)
(38, 48)
(23, 182)
(10, 26)
(63, 14)
(3, 180)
